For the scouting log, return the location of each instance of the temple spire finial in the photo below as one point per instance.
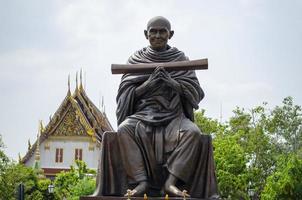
(41, 127)
(81, 80)
(37, 162)
(100, 96)
(103, 105)
(102, 108)
(28, 145)
(76, 81)
(37, 156)
(68, 84)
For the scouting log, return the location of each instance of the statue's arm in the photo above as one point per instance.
(140, 90)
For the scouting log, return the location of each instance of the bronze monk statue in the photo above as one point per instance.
(160, 150)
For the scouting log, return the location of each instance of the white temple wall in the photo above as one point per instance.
(90, 152)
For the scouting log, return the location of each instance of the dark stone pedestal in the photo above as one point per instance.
(137, 198)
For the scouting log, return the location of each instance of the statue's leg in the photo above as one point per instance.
(182, 161)
(132, 157)
(130, 152)
(192, 162)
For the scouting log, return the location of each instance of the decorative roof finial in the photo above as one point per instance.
(102, 108)
(37, 156)
(36, 165)
(81, 80)
(77, 81)
(29, 145)
(68, 84)
(41, 127)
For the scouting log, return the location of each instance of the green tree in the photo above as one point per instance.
(249, 144)
(75, 183)
(35, 195)
(286, 182)
(231, 169)
(63, 183)
(230, 157)
(250, 128)
(285, 126)
(83, 187)
(13, 175)
(3, 158)
(207, 125)
(42, 188)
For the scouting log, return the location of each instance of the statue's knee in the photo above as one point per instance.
(196, 133)
(120, 130)
(193, 134)
(125, 129)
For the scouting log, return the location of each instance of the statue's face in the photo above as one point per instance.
(158, 37)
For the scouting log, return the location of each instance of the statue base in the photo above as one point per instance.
(140, 198)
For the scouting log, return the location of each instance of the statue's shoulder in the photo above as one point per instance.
(140, 51)
(138, 56)
(174, 50)
(181, 54)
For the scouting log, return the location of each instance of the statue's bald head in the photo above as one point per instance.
(158, 33)
(159, 21)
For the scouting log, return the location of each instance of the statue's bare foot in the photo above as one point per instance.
(171, 189)
(139, 190)
(174, 191)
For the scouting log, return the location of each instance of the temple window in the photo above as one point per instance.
(78, 154)
(59, 155)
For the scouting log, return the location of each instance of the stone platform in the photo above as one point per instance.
(138, 198)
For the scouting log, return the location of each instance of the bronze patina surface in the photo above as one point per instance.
(157, 149)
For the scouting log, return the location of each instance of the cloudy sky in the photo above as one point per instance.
(254, 49)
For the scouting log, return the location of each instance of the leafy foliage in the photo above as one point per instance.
(74, 183)
(3, 158)
(286, 126)
(13, 176)
(70, 185)
(42, 188)
(230, 167)
(249, 148)
(285, 183)
(83, 187)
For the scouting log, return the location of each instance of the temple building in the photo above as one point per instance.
(70, 135)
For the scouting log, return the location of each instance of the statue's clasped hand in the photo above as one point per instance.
(151, 82)
(158, 75)
(166, 77)
(154, 78)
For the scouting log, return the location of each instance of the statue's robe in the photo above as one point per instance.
(156, 134)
